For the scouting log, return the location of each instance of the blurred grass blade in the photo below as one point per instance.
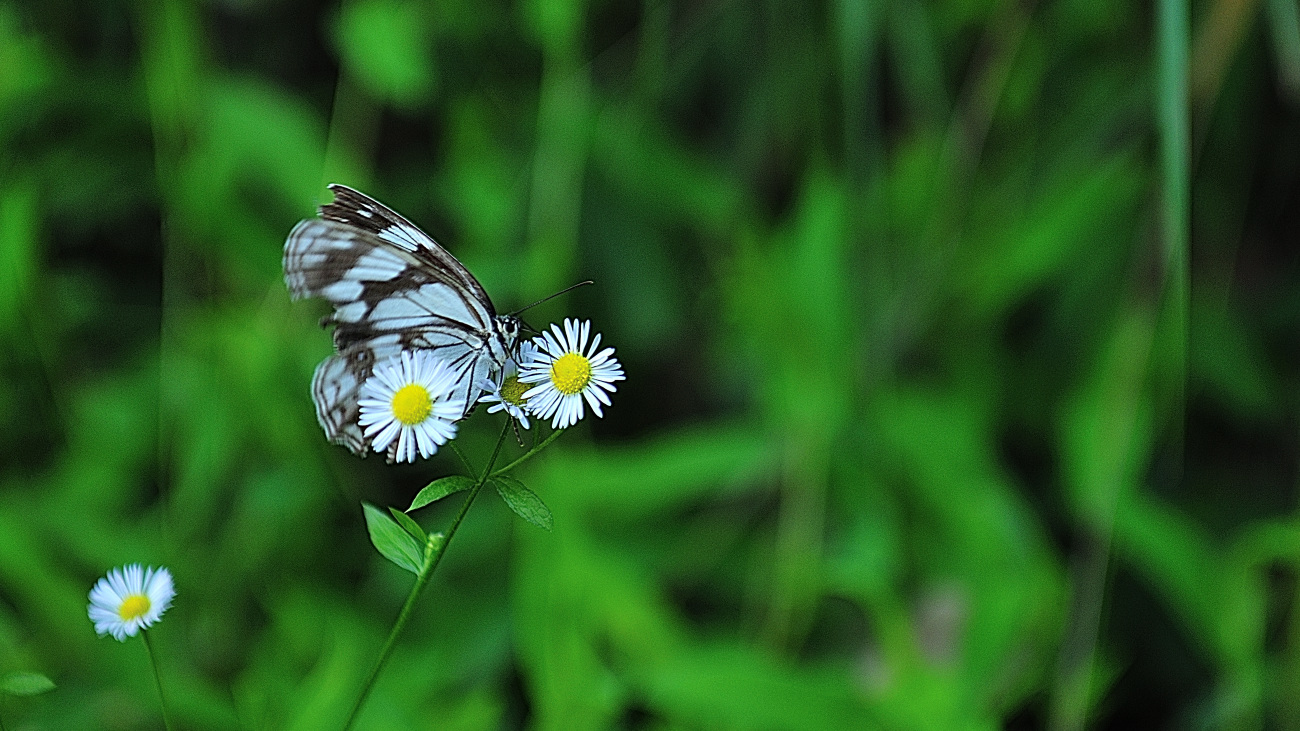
(1172, 31)
(18, 251)
(25, 684)
(386, 45)
(1284, 22)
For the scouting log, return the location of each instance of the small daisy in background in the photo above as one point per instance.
(567, 371)
(507, 394)
(130, 599)
(405, 407)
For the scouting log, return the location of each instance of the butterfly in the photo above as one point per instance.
(393, 288)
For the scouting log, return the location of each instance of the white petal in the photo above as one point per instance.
(405, 446)
(385, 436)
(570, 333)
(160, 590)
(420, 436)
(589, 395)
(536, 391)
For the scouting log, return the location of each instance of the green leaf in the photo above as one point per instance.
(439, 489)
(23, 684)
(523, 501)
(393, 541)
(409, 524)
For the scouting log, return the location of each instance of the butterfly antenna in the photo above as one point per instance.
(570, 288)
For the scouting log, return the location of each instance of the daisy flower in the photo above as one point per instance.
(130, 599)
(507, 394)
(567, 372)
(405, 406)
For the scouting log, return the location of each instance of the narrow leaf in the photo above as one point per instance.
(393, 542)
(523, 501)
(21, 683)
(409, 524)
(439, 489)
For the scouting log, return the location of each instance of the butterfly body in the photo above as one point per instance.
(393, 288)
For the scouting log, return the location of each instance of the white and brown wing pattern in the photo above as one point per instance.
(393, 288)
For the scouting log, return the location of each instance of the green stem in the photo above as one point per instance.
(529, 454)
(157, 676)
(469, 467)
(463, 459)
(433, 556)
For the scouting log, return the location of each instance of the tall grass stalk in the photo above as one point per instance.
(1172, 31)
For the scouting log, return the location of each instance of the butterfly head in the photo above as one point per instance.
(507, 327)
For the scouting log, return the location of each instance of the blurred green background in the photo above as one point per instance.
(961, 342)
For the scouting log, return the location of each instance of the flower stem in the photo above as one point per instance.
(433, 555)
(464, 462)
(157, 676)
(530, 453)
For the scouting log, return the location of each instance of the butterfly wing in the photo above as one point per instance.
(336, 388)
(377, 288)
(358, 210)
(392, 288)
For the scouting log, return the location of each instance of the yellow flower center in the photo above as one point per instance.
(133, 607)
(412, 404)
(571, 373)
(512, 391)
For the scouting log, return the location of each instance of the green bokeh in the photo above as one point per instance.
(960, 340)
